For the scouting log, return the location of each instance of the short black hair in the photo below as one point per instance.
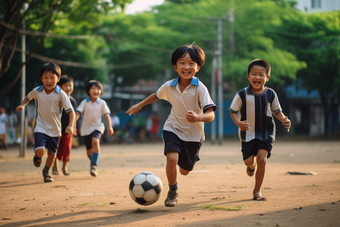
(96, 83)
(259, 62)
(50, 67)
(195, 52)
(65, 79)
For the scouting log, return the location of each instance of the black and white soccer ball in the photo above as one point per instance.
(145, 188)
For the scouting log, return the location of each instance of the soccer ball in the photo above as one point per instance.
(145, 188)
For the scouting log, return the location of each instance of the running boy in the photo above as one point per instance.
(92, 127)
(49, 101)
(251, 110)
(183, 132)
(65, 141)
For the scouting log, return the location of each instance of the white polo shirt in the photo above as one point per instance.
(48, 110)
(195, 97)
(92, 115)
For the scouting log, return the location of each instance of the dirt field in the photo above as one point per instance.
(217, 193)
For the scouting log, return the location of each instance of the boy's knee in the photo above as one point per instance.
(183, 171)
(261, 160)
(249, 161)
(95, 142)
(40, 152)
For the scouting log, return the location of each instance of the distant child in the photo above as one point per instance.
(183, 131)
(3, 126)
(65, 141)
(155, 127)
(49, 101)
(252, 111)
(92, 127)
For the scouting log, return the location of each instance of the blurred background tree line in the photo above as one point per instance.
(95, 39)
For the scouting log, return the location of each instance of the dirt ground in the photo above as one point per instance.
(217, 192)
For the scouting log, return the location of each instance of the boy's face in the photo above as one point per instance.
(95, 92)
(257, 78)
(2, 110)
(49, 80)
(186, 67)
(67, 87)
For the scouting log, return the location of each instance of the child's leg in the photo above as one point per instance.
(249, 162)
(95, 150)
(55, 167)
(49, 162)
(260, 172)
(171, 163)
(171, 173)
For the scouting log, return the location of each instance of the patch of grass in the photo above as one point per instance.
(227, 167)
(211, 207)
(322, 209)
(84, 204)
(336, 161)
(140, 211)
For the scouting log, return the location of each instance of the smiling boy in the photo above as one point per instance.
(251, 110)
(49, 102)
(183, 131)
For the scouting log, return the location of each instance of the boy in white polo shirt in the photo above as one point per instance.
(92, 128)
(49, 102)
(183, 132)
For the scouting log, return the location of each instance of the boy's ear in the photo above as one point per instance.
(198, 67)
(175, 67)
(268, 76)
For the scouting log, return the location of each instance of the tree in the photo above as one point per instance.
(314, 39)
(39, 17)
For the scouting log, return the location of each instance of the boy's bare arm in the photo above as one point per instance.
(284, 119)
(243, 125)
(208, 116)
(109, 129)
(135, 108)
(77, 116)
(23, 104)
(70, 128)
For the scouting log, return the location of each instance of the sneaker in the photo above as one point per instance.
(171, 200)
(93, 171)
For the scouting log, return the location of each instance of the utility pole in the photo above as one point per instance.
(213, 96)
(219, 78)
(22, 152)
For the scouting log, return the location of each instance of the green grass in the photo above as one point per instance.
(84, 204)
(336, 161)
(140, 211)
(211, 207)
(322, 209)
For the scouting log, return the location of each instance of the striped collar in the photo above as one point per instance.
(249, 91)
(97, 101)
(194, 81)
(56, 89)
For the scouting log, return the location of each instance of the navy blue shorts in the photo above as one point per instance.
(188, 151)
(42, 141)
(250, 148)
(88, 139)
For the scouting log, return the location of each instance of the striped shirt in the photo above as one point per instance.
(257, 110)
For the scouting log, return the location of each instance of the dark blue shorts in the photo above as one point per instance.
(42, 141)
(250, 148)
(88, 139)
(188, 151)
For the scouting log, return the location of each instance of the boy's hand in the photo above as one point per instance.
(286, 122)
(192, 116)
(69, 131)
(133, 109)
(75, 131)
(19, 108)
(243, 125)
(109, 131)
